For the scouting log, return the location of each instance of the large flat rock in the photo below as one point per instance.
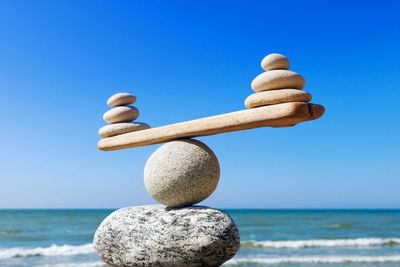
(160, 236)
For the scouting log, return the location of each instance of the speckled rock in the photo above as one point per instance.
(121, 114)
(121, 99)
(159, 236)
(273, 97)
(275, 62)
(121, 128)
(181, 173)
(277, 79)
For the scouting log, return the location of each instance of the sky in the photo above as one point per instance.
(61, 60)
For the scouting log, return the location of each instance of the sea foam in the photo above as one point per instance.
(315, 260)
(296, 244)
(54, 250)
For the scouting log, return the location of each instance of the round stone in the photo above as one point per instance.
(121, 114)
(181, 173)
(273, 97)
(275, 62)
(121, 99)
(277, 79)
(154, 235)
(121, 128)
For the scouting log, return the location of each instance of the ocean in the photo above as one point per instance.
(304, 238)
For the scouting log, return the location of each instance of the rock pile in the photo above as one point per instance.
(277, 85)
(178, 174)
(121, 116)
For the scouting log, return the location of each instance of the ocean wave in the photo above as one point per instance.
(314, 260)
(54, 250)
(295, 244)
(82, 264)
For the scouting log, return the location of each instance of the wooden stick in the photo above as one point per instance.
(280, 115)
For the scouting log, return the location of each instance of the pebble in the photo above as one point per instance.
(121, 128)
(121, 99)
(275, 62)
(158, 236)
(121, 114)
(277, 79)
(181, 173)
(273, 97)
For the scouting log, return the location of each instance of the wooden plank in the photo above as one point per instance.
(281, 115)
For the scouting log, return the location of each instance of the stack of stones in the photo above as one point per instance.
(277, 85)
(121, 116)
(176, 233)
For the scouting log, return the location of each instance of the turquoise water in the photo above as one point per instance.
(62, 238)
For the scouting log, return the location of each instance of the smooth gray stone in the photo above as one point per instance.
(158, 236)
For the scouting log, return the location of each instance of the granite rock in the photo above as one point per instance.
(181, 173)
(121, 114)
(121, 128)
(159, 236)
(275, 62)
(121, 99)
(273, 97)
(277, 79)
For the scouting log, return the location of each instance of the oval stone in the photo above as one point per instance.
(275, 62)
(121, 128)
(181, 173)
(273, 97)
(159, 236)
(121, 99)
(121, 114)
(277, 79)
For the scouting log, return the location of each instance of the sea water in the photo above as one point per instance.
(305, 238)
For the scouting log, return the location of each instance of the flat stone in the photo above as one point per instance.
(121, 114)
(159, 236)
(121, 128)
(181, 173)
(277, 79)
(273, 97)
(121, 99)
(275, 62)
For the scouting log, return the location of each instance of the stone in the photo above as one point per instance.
(277, 79)
(275, 62)
(121, 99)
(158, 236)
(121, 114)
(181, 173)
(273, 97)
(121, 128)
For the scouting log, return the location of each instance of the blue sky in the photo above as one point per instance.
(61, 60)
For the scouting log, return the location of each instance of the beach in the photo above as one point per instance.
(62, 238)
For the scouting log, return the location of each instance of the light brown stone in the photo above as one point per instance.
(122, 128)
(273, 97)
(275, 62)
(181, 173)
(121, 114)
(277, 79)
(121, 99)
(280, 115)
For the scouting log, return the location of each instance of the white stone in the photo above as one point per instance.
(277, 79)
(155, 236)
(181, 173)
(121, 114)
(121, 99)
(275, 62)
(273, 97)
(121, 128)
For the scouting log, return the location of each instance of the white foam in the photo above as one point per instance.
(82, 264)
(357, 242)
(54, 250)
(315, 260)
